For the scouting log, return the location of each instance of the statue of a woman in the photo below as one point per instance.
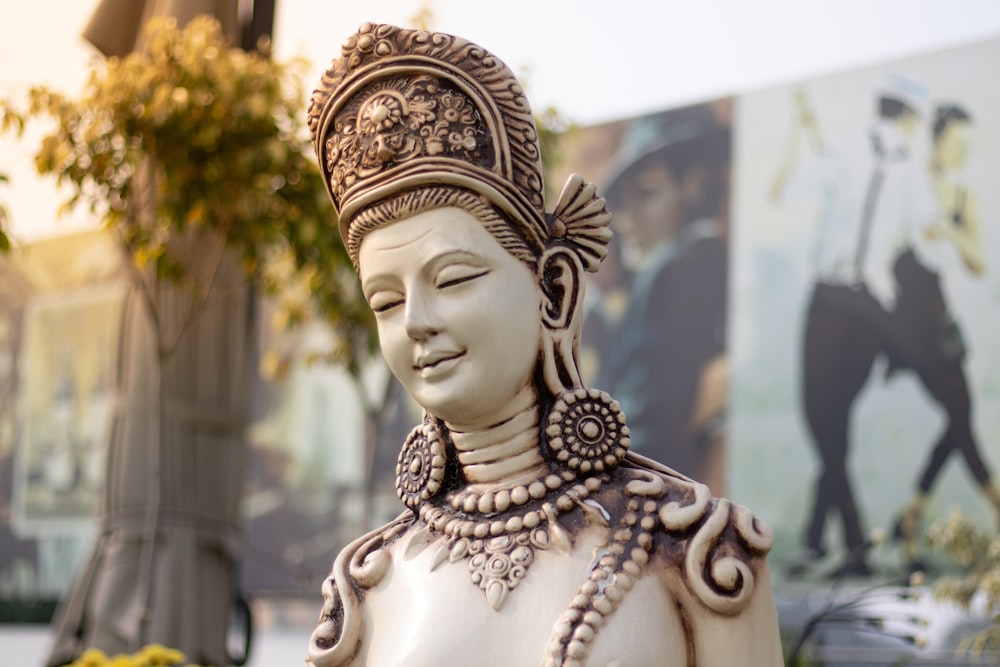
(531, 535)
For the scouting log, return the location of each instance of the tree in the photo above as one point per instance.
(5, 242)
(9, 120)
(976, 555)
(193, 155)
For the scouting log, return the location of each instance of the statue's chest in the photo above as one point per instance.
(505, 604)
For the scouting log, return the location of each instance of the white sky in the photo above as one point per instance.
(595, 60)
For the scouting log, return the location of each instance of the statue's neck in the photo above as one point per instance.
(506, 453)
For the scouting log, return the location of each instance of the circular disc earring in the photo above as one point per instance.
(586, 431)
(420, 468)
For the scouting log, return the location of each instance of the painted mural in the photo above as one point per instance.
(865, 298)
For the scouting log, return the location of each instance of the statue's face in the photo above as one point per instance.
(459, 318)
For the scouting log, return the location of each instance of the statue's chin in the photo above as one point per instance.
(475, 407)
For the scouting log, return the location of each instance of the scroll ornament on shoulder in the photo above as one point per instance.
(360, 566)
(723, 556)
(724, 551)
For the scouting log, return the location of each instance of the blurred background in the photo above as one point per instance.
(737, 145)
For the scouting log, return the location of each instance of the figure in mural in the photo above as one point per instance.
(531, 535)
(848, 315)
(605, 302)
(928, 339)
(667, 364)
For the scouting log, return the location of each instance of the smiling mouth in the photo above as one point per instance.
(431, 363)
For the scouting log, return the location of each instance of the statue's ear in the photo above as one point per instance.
(560, 275)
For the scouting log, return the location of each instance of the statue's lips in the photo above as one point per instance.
(437, 363)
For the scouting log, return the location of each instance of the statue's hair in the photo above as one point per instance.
(419, 200)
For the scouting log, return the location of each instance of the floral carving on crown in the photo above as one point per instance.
(397, 120)
(462, 81)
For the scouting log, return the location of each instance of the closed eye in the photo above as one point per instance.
(381, 303)
(459, 279)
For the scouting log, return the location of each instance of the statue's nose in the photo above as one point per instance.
(421, 321)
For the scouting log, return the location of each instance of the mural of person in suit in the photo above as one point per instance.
(847, 323)
(667, 366)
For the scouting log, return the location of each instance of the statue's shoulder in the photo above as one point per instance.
(360, 566)
(714, 546)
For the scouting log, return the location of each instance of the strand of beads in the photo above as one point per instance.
(612, 576)
(446, 519)
(491, 502)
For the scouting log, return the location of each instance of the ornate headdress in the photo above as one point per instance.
(402, 109)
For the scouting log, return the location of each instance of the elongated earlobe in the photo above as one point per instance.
(560, 275)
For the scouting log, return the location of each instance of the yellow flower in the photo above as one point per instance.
(152, 655)
(155, 655)
(92, 657)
